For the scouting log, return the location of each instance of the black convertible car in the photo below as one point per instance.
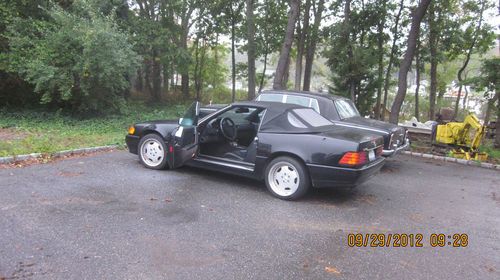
(289, 146)
(340, 111)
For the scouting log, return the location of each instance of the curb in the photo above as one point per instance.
(20, 158)
(455, 160)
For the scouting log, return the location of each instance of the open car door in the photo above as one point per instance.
(184, 141)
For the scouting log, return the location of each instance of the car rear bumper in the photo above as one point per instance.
(132, 142)
(393, 152)
(323, 176)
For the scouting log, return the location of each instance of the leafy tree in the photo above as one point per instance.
(395, 33)
(251, 48)
(77, 59)
(489, 82)
(477, 36)
(271, 20)
(207, 69)
(312, 41)
(417, 16)
(284, 59)
(352, 57)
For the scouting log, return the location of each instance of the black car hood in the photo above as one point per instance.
(369, 124)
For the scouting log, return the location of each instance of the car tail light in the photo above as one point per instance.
(353, 158)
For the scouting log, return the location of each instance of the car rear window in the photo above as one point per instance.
(295, 121)
(299, 100)
(271, 97)
(290, 99)
(312, 117)
(346, 109)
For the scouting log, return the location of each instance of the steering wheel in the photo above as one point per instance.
(228, 128)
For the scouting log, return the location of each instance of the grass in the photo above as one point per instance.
(489, 148)
(24, 132)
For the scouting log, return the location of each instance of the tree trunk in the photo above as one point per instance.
(233, 57)
(380, 48)
(166, 77)
(139, 84)
(196, 68)
(185, 74)
(287, 45)
(497, 125)
(287, 73)
(405, 65)
(467, 58)
(147, 77)
(300, 45)
(251, 49)
(464, 104)
(417, 70)
(346, 33)
(311, 45)
(395, 37)
(156, 78)
(263, 76)
(433, 46)
(489, 106)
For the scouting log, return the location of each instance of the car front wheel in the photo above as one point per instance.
(152, 152)
(287, 178)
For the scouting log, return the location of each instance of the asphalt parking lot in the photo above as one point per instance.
(107, 217)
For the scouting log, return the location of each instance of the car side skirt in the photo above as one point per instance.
(223, 165)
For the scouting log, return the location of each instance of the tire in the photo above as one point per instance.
(152, 152)
(287, 178)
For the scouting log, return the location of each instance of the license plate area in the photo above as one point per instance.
(371, 155)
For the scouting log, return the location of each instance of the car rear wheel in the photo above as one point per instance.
(287, 178)
(152, 151)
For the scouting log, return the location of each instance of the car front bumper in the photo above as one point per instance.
(393, 152)
(132, 142)
(324, 176)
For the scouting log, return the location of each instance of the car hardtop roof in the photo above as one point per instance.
(305, 93)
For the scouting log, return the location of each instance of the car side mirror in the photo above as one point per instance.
(180, 121)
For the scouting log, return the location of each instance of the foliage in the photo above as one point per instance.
(352, 56)
(489, 80)
(77, 59)
(222, 95)
(83, 55)
(46, 132)
(213, 72)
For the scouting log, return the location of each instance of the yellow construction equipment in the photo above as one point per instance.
(465, 137)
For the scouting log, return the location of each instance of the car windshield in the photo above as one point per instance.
(311, 117)
(346, 109)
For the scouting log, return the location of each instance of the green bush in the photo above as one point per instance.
(78, 59)
(222, 95)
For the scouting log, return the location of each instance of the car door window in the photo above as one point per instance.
(190, 117)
